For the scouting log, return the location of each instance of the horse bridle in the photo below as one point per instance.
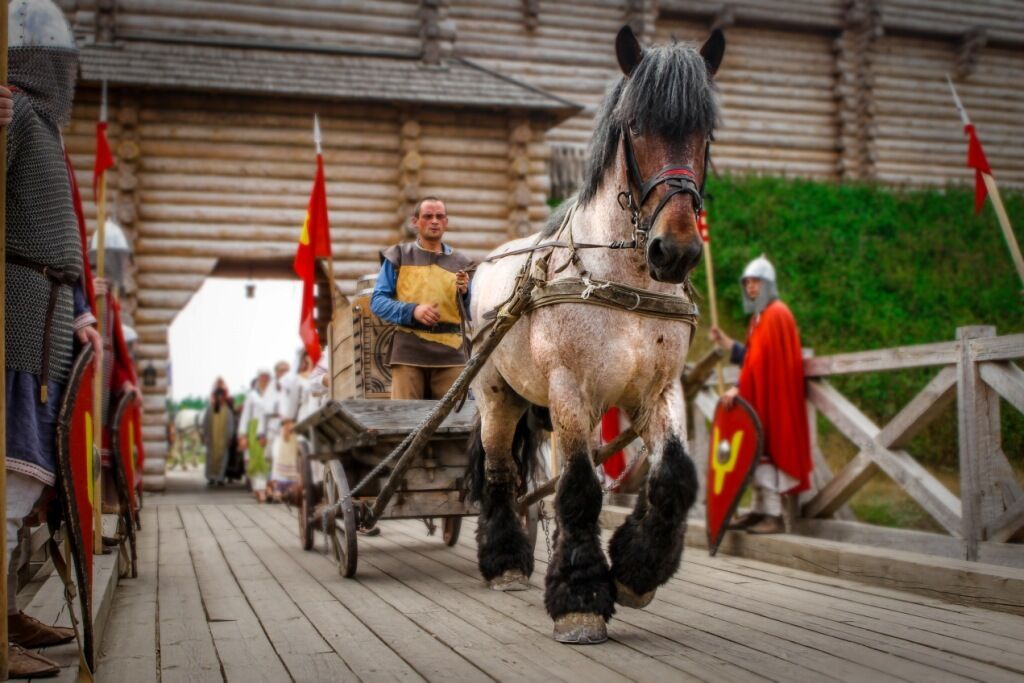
(680, 179)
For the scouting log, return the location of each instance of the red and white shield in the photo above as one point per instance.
(736, 444)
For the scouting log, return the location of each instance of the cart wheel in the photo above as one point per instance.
(307, 502)
(343, 531)
(452, 527)
(530, 520)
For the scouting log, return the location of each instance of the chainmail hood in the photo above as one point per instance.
(762, 269)
(47, 75)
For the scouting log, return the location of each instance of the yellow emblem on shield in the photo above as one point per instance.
(724, 465)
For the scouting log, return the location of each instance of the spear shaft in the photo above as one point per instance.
(3, 354)
(993, 191)
(101, 322)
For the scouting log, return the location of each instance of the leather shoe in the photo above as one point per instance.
(768, 525)
(24, 664)
(31, 633)
(746, 521)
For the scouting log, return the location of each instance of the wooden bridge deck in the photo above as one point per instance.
(225, 592)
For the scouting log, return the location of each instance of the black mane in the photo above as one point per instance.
(670, 94)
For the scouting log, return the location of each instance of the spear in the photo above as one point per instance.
(976, 160)
(100, 188)
(3, 354)
(705, 234)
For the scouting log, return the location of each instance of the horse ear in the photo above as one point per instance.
(628, 50)
(713, 51)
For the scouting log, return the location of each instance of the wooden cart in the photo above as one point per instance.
(349, 439)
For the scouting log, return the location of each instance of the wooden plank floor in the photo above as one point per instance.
(226, 593)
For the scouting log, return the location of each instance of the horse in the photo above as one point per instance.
(630, 232)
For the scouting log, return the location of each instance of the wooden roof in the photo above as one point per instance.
(343, 76)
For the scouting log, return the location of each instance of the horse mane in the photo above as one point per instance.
(670, 94)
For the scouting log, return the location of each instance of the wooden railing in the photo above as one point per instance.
(974, 371)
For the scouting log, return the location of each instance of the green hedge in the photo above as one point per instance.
(865, 267)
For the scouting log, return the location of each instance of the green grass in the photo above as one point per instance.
(865, 267)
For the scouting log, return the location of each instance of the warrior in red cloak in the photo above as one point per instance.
(772, 381)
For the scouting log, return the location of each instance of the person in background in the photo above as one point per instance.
(218, 431)
(772, 382)
(252, 434)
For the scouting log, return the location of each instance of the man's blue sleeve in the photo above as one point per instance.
(738, 353)
(383, 302)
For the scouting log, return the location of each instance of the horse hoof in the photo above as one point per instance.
(628, 598)
(511, 580)
(581, 628)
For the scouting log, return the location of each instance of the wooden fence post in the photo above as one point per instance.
(701, 444)
(974, 425)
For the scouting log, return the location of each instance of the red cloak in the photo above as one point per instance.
(772, 381)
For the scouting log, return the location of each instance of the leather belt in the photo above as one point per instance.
(57, 278)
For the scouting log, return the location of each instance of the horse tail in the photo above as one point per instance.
(525, 452)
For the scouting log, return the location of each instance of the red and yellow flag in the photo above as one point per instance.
(104, 158)
(314, 243)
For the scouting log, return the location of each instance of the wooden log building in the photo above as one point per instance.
(488, 103)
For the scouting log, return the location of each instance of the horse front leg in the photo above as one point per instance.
(579, 592)
(504, 554)
(647, 549)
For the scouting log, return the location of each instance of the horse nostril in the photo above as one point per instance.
(657, 255)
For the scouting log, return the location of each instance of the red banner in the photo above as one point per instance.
(314, 243)
(104, 158)
(977, 160)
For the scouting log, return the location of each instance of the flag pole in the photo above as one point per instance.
(3, 354)
(993, 191)
(318, 141)
(705, 233)
(101, 302)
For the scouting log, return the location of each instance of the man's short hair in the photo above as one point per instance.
(419, 205)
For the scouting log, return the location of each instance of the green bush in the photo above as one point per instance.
(865, 267)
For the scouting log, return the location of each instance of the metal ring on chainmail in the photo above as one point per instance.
(57, 279)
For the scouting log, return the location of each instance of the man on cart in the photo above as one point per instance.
(422, 289)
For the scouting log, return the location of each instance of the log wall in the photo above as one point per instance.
(381, 25)
(201, 179)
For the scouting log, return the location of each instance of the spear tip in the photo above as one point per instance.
(316, 133)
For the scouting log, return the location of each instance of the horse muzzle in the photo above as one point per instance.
(670, 259)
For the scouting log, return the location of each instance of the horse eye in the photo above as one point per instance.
(634, 129)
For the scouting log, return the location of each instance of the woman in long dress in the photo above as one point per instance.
(218, 431)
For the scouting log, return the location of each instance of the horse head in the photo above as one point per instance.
(665, 116)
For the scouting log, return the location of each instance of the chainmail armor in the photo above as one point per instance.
(41, 221)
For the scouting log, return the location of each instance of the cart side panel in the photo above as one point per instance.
(429, 504)
(372, 350)
(342, 345)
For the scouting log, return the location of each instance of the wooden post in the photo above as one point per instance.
(701, 446)
(974, 427)
(705, 233)
(3, 356)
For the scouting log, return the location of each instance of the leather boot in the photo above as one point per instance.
(746, 521)
(31, 633)
(769, 525)
(24, 664)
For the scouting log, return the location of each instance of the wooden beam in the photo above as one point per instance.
(973, 428)
(833, 495)
(1007, 524)
(1007, 380)
(1006, 347)
(900, 358)
(918, 483)
(935, 397)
